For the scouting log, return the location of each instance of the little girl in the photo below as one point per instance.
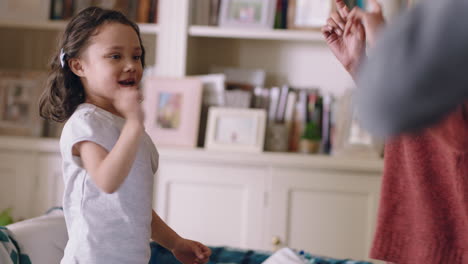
(108, 159)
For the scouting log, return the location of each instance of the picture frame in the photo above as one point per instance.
(233, 129)
(350, 139)
(247, 14)
(309, 14)
(172, 110)
(213, 95)
(19, 103)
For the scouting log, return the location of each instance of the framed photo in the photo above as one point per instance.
(19, 107)
(309, 14)
(213, 95)
(350, 139)
(236, 129)
(172, 110)
(247, 13)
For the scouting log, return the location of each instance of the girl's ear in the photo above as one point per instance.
(76, 66)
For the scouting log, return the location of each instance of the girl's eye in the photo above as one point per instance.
(115, 57)
(136, 57)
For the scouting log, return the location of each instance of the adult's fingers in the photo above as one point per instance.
(338, 20)
(334, 26)
(361, 31)
(355, 15)
(375, 6)
(342, 8)
(328, 34)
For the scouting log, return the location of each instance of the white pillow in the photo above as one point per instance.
(42, 238)
(284, 256)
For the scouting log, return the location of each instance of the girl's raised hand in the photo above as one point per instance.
(127, 103)
(191, 252)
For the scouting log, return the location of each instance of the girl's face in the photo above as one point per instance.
(112, 61)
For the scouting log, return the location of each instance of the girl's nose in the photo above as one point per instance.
(130, 66)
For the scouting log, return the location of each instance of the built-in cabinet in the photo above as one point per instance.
(325, 205)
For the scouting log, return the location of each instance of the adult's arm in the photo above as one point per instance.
(418, 71)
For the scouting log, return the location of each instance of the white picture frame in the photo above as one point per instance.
(309, 14)
(247, 13)
(234, 129)
(19, 103)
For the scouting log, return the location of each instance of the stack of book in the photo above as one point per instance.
(140, 11)
(306, 113)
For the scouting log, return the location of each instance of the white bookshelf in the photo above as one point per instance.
(266, 34)
(145, 28)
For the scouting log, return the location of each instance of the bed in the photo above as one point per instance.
(41, 240)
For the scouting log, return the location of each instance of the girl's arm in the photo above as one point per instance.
(185, 250)
(162, 234)
(109, 169)
(416, 74)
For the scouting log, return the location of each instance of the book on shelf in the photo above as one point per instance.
(325, 146)
(273, 107)
(214, 12)
(141, 11)
(289, 111)
(281, 14)
(201, 12)
(283, 98)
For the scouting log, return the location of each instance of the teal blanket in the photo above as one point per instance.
(10, 250)
(225, 255)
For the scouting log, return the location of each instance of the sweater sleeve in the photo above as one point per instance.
(417, 72)
(452, 130)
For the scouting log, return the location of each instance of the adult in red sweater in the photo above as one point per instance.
(423, 214)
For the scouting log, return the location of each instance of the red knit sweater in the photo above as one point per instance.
(423, 215)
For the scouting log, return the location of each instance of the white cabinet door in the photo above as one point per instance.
(324, 212)
(217, 204)
(51, 182)
(18, 183)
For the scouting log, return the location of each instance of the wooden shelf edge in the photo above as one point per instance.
(266, 34)
(276, 159)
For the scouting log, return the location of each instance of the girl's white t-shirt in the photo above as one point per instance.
(106, 228)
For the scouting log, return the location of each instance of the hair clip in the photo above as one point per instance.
(62, 58)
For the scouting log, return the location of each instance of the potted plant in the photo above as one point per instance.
(310, 139)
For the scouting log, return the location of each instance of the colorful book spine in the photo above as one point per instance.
(56, 9)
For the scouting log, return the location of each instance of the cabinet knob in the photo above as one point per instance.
(276, 243)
